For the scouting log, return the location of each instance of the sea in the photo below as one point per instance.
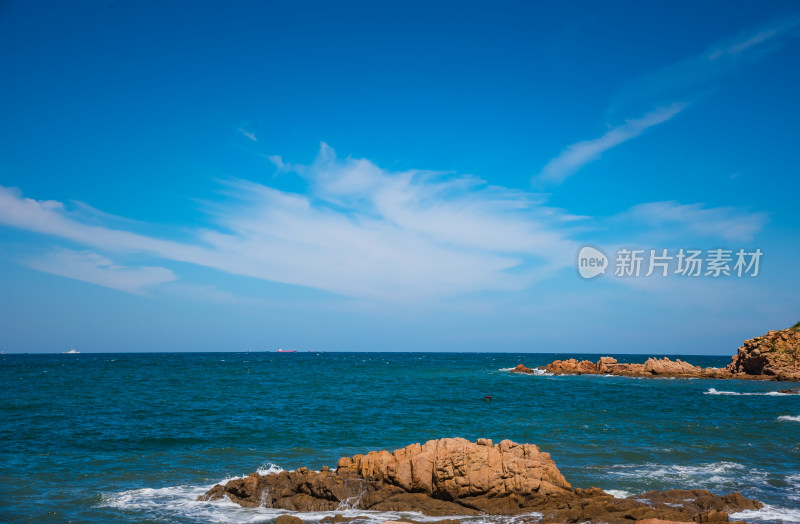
(137, 437)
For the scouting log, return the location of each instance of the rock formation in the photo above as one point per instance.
(774, 356)
(522, 369)
(663, 367)
(457, 477)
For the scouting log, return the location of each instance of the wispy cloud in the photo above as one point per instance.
(247, 134)
(687, 80)
(362, 231)
(96, 269)
(581, 153)
(729, 223)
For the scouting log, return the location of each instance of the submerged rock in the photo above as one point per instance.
(454, 476)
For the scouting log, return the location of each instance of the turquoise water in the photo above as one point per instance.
(137, 437)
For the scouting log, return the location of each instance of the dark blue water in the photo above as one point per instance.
(137, 437)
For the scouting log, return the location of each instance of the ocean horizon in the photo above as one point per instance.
(588, 356)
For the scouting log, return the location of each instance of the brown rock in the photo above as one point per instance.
(667, 367)
(288, 519)
(775, 354)
(606, 364)
(458, 477)
(339, 519)
(522, 369)
(659, 521)
(572, 367)
(409, 521)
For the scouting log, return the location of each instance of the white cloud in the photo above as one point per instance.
(747, 40)
(694, 76)
(683, 80)
(96, 269)
(247, 134)
(362, 231)
(581, 153)
(729, 223)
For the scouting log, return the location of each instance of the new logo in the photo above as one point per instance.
(591, 262)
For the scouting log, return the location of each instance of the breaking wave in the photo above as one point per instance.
(180, 502)
(713, 391)
(769, 514)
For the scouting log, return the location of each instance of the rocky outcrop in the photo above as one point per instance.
(572, 366)
(458, 477)
(663, 367)
(776, 354)
(522, 369)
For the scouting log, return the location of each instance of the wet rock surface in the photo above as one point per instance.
(449, 477)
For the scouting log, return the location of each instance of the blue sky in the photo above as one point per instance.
(368, 176)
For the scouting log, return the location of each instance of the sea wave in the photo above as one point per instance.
(268, 469)
(794, 488)
(791, 418)
(713, 391)
(715, 476)
(618, 493)
(769, 514)
(180, 502)
(536, 371)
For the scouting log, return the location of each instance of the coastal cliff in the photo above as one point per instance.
(773, 356)
(776, 354)
(454, 476)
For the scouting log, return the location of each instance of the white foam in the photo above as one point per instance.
(536, 371)
(618, 493)
(790, 418)
(711, 468)
(268, 469)
(713, 391)
(769, 514)
(794, 488)
(716, 476)
(180, 502)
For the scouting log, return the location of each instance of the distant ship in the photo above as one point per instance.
(287, 350)
(70, 352)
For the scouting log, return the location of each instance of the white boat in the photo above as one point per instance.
(70, 352)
